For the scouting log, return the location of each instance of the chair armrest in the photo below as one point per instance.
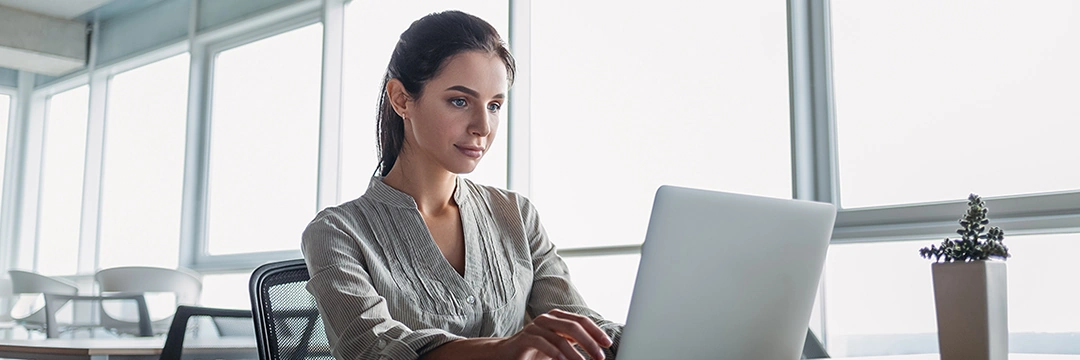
(174, 341)
(53, 303)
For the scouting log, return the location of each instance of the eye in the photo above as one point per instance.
(458, 102)
(494, 107)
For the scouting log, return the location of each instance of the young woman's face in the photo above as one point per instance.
(454, 122)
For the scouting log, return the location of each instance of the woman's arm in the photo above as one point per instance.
(358, 322)
(549, 336)
(551, 287)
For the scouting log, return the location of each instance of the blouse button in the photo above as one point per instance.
(471, 299)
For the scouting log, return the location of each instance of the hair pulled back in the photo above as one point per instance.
(421, 52)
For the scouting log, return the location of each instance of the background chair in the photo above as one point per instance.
(287, 321)
(186, 286)
(54, 302)
(7, 301)
(174, 341)
(28, 286)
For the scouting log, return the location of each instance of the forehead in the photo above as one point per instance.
(481, 71)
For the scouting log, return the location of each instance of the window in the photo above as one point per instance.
(936, 99)
(5, 107)
(881, 297)
(619, 109)
(144, 165)
(228, 291)
(264, 135)
(606, 282)
(372, 29)
(63, 162)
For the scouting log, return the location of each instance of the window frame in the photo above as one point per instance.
(7, 177)
(194, 251)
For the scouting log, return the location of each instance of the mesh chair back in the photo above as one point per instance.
(287, 321)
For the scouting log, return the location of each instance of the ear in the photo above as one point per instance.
(399, 97)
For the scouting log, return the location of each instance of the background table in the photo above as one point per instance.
(133, 348)
(936, 357)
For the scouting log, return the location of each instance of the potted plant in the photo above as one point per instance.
(970, 293)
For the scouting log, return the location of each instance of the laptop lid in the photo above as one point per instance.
(726, 276)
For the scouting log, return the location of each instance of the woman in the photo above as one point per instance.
(427, 264)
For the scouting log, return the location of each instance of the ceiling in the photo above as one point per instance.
(79, 10)
(63, 9)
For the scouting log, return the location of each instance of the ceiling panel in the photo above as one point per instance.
(64, 9)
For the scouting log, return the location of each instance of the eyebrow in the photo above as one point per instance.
(471, 92)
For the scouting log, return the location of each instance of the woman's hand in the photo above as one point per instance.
(552, 335)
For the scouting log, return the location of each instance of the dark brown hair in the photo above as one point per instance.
(420, 54)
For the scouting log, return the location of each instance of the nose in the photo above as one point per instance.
(482, 124)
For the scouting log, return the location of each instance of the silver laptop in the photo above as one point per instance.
(726, 276)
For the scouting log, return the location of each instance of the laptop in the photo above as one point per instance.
(726, 276)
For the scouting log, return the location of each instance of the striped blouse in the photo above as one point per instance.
(385, 290)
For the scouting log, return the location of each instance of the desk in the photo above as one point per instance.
(936, 357)
(132, 348)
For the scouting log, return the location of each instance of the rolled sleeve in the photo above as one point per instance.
(358, 322)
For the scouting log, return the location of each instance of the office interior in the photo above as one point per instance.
(205, 134)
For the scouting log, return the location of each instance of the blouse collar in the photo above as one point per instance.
(381, 192)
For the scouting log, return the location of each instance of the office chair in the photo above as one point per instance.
(186, 285)
(25, 283)
(54, 302)
(287, 321)
(174, 341)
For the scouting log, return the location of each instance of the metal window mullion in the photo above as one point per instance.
(329, 162)
(196, 149)
(518, 127)
(89, 219)
(18, 186)
(813, 147)
(7, 180)
(812, 123)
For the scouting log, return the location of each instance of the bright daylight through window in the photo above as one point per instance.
(264, 143)
(63, 161)
(936, 99)
(144, 165)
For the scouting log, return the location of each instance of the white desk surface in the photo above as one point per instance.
(128, 346)
(936, 357)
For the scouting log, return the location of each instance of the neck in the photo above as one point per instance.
(432, 189)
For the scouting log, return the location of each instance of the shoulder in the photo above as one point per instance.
(334, 224)
(499, 197)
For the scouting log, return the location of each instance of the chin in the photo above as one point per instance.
(464, 168)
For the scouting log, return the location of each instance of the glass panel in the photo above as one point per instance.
(880, 300)
(144, 165)
(606, 282)
(228, 291)
(619, 109)
(372, 29)
(5, 107)
(264, 138)
(930, 90)
(63, 161)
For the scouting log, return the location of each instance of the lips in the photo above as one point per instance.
(471, 151)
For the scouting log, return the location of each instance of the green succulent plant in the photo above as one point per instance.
(973, 245)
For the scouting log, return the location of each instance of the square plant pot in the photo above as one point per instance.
(971, 299)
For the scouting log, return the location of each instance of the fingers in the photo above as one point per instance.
(577, 328)
(551, 344)
(597, 334)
